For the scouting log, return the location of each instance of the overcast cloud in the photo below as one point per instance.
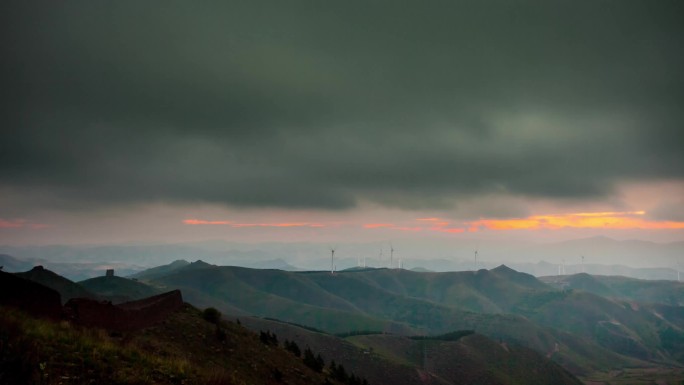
(328, 104)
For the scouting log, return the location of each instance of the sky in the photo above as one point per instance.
(322, 121)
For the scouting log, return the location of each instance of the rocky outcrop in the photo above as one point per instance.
(127, 316)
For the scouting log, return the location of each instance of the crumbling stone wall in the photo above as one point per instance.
(126, 316)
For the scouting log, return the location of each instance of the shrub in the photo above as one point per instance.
(212, 315)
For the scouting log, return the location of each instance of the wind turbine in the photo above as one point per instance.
(475, 260)
(391, 256)
(332, 260)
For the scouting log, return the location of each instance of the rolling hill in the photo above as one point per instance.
(66, 288)
(184, 345)
(632, 289)
(395, 359)
(118, 289)
(500, 303)
(585, 332)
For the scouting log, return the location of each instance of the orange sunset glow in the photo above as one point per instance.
(598, 220)
(583, 220)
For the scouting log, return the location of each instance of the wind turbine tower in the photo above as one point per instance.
(391, 257)
(332, 261)
(475, 260)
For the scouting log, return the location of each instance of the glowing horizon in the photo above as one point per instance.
(598, 220)
(610, 220)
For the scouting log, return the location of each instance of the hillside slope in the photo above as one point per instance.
(394, 359)
(118, 289)
(184, 349)
(410, 303)
(631, 289)
(66, 288)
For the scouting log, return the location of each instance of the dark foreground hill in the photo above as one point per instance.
(32, 297)
(66, 288)
(184, 349)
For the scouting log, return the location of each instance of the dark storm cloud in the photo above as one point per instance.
(320, 104)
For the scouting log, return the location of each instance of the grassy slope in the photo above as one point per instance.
(393, 359)
(256, 295)
(160, 270)
(632, 289)
(397, 295)
(184, 349)
(118, 289)
(377, 368)
(471, 359)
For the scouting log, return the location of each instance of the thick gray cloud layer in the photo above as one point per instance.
(320, 104)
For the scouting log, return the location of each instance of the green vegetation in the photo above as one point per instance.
(118, 289)
(211, 315)
(44, 352)
(293, 348)
(358, 333)
(338, 372)
(182, 350)
(310, 328)
(453, 336)
(314, 362)
(501, 303)
(584, 332)
(268, 338)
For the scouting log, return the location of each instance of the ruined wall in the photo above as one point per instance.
(126, 316)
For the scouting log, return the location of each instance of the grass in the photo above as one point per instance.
(184, 349)
(637, 376)
(45, 352)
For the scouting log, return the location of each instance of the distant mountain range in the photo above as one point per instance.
(603, 256)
